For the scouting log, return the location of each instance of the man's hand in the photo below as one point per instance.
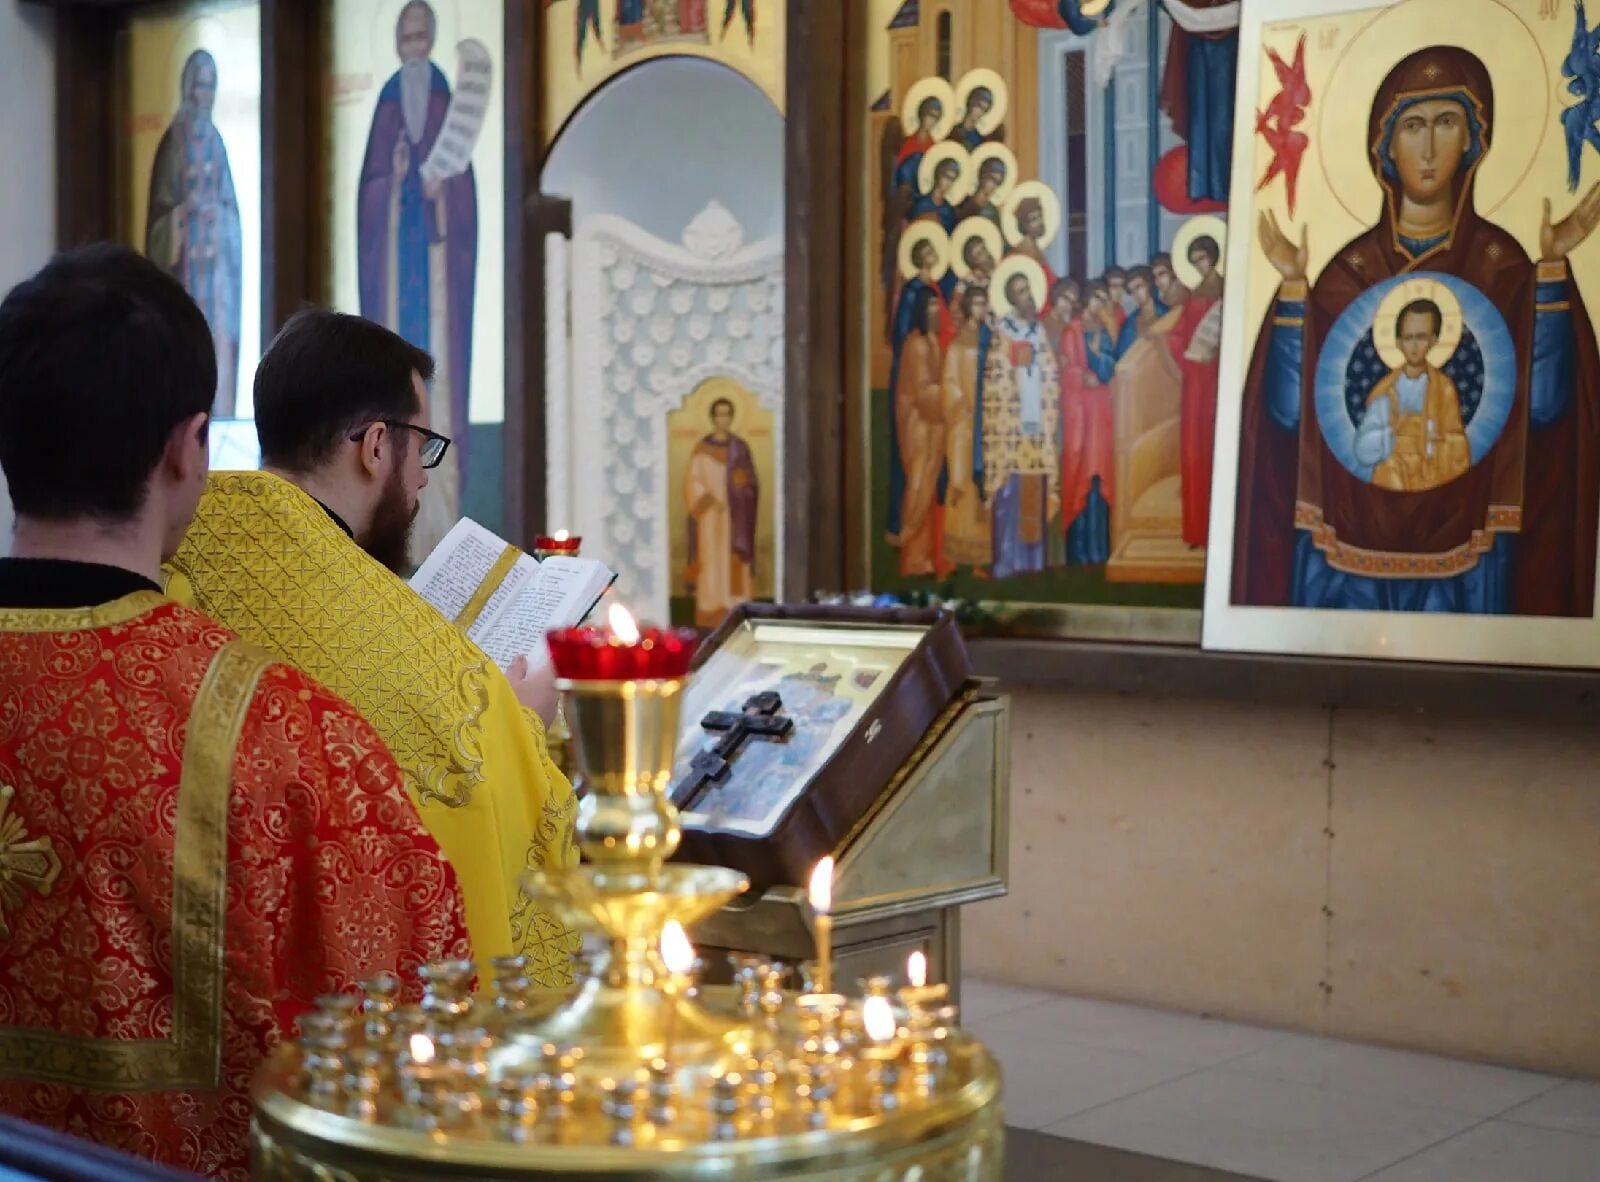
(535, 689)
(432, 189)
(402, 158)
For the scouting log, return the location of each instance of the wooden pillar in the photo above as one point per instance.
(86, 136)
(816, 296)
(294, 172)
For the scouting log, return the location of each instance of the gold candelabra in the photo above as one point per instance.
(637, 1071)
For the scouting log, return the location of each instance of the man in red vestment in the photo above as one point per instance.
(1194, 347)
(195, 840)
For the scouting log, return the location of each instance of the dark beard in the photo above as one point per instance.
(389, 537)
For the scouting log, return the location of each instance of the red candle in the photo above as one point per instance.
(622, 652)
(559, 544)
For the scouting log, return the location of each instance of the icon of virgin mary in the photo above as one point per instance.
(1513, 532)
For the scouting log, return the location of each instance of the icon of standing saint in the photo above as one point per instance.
(417, 230)
(192, 227)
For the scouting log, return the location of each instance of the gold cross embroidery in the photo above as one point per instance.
(1357, 260)
(22, 863)
(1494, 250)
(1431, 72)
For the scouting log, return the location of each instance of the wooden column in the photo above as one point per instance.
(294, 160)
(815, 297)
(87, 137)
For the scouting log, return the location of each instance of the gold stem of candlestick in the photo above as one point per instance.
(824, 933)
(624, 735)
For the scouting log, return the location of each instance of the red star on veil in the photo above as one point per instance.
(1277, 123)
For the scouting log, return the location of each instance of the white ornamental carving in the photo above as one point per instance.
(651, 320)
(714, 233)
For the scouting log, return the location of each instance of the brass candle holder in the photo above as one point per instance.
(624, 736)
(634, 1075)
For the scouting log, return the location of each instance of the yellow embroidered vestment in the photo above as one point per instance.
(267, 561)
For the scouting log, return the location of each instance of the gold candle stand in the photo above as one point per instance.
(627, 1076)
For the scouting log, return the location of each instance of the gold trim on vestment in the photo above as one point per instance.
(491, 583)
(192, 1057)
(1385, 564)
(80, 619)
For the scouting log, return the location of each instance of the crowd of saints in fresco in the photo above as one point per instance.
(638, 24)
(1421, 418)
(1006, 376)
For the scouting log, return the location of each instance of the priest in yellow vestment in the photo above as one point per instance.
(300, 559)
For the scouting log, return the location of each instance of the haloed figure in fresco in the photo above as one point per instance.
(192, 227)
(920, 434)
(1342, 509)
(721, 494)
(1412, 433)
(418, 242)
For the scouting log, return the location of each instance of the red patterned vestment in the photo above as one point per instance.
(195, 842)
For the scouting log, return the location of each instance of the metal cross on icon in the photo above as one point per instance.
(758, 719)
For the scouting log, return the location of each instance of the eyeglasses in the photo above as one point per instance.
(433, 447)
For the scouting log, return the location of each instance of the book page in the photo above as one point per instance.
(457, 567)
(559, 595)
(519, 576)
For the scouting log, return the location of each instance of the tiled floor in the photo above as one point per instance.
(1264, 1104)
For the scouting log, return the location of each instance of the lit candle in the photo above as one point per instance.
(883, 1073)
(918, 992)
(558, 543)
(678, 955)
(622, 651)
(822, 906)
(421, 1049)
(420, 1081)
(877, 1019)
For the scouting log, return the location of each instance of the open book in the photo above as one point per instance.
(507, 600)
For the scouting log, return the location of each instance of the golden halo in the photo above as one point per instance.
(1486, 28)
(936, 156)
(1383, 321)
(1047, 198)
(1205, 225)
(924, 232)
(1010, 267)
(926, 88)
(1093, 7)
(970, 228)
(1006, 157)
(996, 115)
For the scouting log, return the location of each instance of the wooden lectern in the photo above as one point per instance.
(860, 734)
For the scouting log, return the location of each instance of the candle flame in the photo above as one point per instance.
(877, 1019)
(561, 535)
(622, 625)
(917, 969)
(822, 887)
(676, 951)
(421, 1048)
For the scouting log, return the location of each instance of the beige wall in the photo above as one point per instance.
(1423, 882)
